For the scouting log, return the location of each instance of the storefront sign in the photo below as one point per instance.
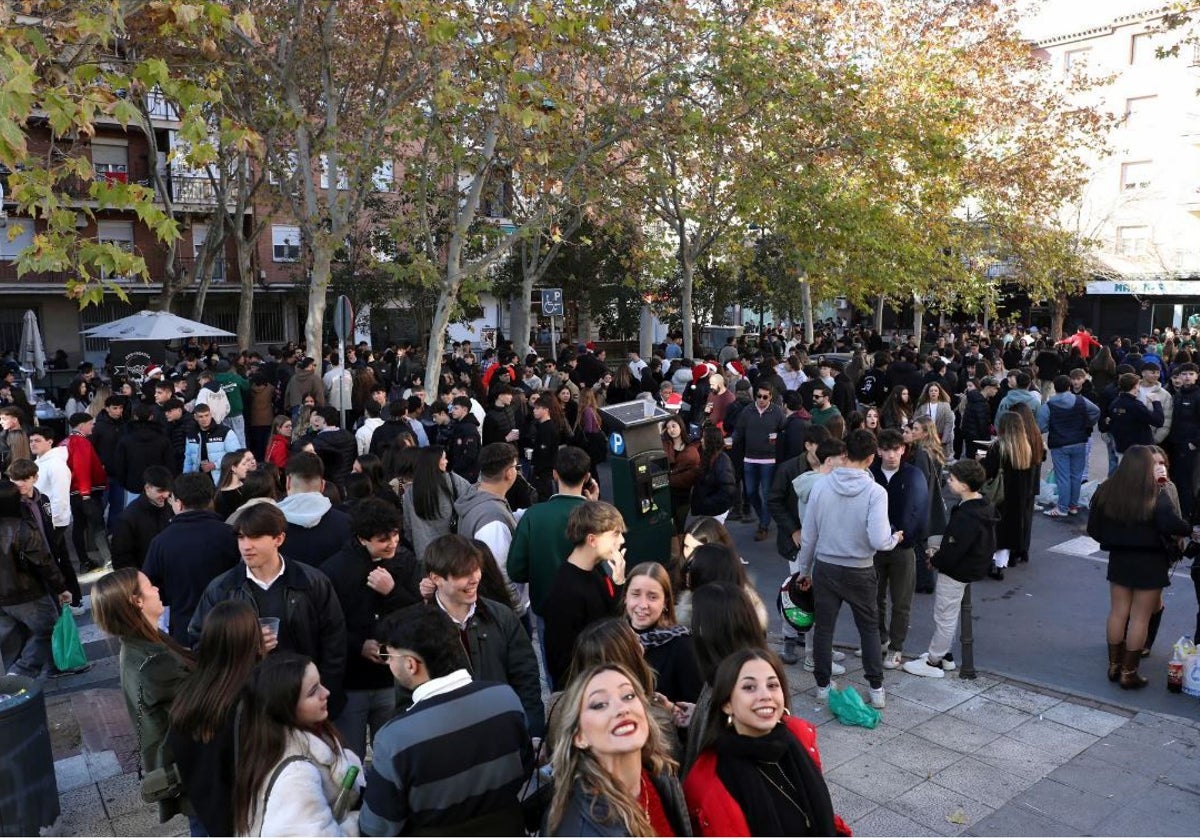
(1143, 287)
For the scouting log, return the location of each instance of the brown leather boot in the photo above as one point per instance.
(1115, 652)
(1130, 678)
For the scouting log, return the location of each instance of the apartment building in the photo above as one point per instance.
(1142, 202)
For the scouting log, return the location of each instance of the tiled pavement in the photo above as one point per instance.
(984, 757)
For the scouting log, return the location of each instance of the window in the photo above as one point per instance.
(287, 163)
(111, 162)
(1075, 60)
(1141, 48)
(118, 233)
(199, 237)
(1136, 175)
(285, 243)
(382, 177)
(1133, 241)
(343, 179)
(16, 234)
(109, 309)
(1139, 111)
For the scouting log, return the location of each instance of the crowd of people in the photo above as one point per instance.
(348, 603)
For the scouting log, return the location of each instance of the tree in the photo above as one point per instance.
(65, 67)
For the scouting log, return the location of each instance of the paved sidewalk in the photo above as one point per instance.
(984, 757)
(995, 757)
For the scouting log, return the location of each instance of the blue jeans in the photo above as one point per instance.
(1069, 463)
(365, 707)
(758, 478)
(116, 504)
(1112, 452)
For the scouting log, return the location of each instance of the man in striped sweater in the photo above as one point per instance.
(455, 762)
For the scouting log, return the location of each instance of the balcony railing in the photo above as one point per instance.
(8, 274)
(185, 262)
(194, 191)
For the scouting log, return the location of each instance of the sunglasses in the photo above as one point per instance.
(764, 396)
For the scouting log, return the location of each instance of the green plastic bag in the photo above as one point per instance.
(848, 706)
(65, 643)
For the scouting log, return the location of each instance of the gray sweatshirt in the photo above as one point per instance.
(846, 521)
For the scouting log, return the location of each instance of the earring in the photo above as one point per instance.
(729, 721)
(787, 712)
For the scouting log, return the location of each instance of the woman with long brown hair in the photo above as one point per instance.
(1012, 454)
(589, 434)
(683, 468)
(204, 713)
(126, 606)
(1134, 520)
(716, 489)
(291, 763)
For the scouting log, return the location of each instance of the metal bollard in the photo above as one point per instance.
(966, 635)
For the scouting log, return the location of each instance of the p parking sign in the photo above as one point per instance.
(552, 302)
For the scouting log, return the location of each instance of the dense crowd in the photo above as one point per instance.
(310, 562)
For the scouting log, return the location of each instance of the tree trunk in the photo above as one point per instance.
(245, 323)
(519, 317)
(918, 317)
(810, 331)
(879, 305)
(437, 333)
(322, 260)
(688, 272)
(202, 294)
(1058, 314)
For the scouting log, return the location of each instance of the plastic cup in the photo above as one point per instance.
(270, 624)
(528, 453)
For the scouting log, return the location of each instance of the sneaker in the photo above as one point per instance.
(745, 562)
(835, 669)
(80, 610)
(877, 697)
(823, 692)
(1073, 510)
(1055, 513)
(858, 652)
(893, 660)
(838, 656)
(948, 662)
(920, 667)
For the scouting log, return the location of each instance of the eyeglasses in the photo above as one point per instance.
(764, 396)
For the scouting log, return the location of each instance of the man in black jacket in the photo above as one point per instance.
(335, 446)
(106, 431)
(194, 548)
(1184, 437)
(315, 527)
(963, 557)
(499, 420)
(143, 445)
(142, 520)
(394, 426)
(301, 597)
(976, 416)
(872, 388)
(463, 440)
(1129, 420)
(373, 576)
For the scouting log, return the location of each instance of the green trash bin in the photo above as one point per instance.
(28, 788)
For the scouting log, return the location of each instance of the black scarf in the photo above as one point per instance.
(775, 781)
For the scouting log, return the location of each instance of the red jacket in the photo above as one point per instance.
(714, 812)
(87, 473)
(277, 451)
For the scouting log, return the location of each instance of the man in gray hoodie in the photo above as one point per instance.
(845, 523)
(315, 530)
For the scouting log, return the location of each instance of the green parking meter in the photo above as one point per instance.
(641, 486)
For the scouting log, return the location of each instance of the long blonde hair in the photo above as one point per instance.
(930, 443)
(574, 766)
(1013, 441)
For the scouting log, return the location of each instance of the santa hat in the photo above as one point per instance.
(153, 370)
(736, 368)
(591, 346)
(712, 368)
(699, 372)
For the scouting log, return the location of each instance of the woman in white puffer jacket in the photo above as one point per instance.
(291, 764)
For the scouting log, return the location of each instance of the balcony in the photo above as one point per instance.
(8, 274)
(187, 262)
(192, 192)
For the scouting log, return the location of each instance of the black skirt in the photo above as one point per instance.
(1138, 569)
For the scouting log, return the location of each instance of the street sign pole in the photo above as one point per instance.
(552, 305)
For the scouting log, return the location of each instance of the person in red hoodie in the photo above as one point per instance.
(759, 772)
(88, 481)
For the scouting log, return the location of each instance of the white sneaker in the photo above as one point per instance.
(834, 669)
(858, 652)
(877, 697)
(823, 692)
(838, 656)
(80, 610)
(920, 667)
(893, 660)
(948, 664)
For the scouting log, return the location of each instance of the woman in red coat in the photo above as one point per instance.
(278, 449)
(759, 773)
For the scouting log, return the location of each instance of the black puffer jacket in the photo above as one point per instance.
(26, 572)
(143, 445)
(968, 542)
(716, 490)
(976, 417)
(337, 449)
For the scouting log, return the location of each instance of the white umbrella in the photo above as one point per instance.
(153, 326)
(33, 352)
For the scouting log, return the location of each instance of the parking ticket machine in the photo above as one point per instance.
(641, 488)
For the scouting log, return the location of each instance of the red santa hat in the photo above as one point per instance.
(699, 372)
(153, 370)
(735, 367)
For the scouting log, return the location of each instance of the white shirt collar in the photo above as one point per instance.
(462, 625)
(441, 685)
(265, 585)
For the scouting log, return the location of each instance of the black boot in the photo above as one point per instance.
(996, 573)
(1152, 631)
